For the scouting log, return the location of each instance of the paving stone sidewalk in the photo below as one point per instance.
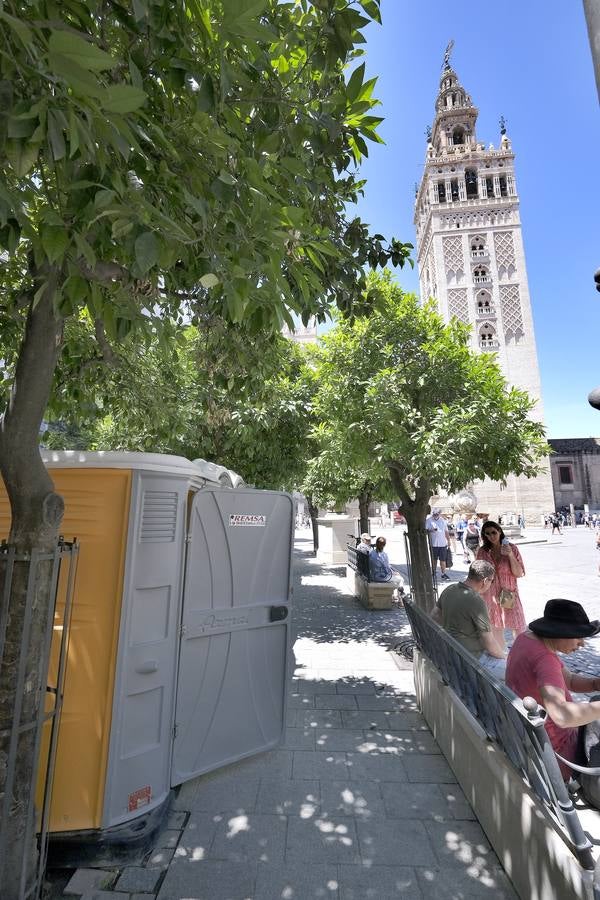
(357, 803)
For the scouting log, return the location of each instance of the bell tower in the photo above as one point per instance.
(471, 260)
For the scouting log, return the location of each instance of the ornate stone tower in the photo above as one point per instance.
(471, 260)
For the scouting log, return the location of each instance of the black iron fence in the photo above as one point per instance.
(358, 560)
(62, 564)
(518, 732)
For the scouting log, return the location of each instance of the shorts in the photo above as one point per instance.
(440, 553)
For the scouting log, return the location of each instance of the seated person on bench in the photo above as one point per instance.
(535, 670)
(462, 612)
(365, 543)
(380, 569)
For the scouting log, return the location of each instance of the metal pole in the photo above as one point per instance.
(592, 17)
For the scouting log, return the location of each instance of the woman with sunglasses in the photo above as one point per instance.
(502, 597)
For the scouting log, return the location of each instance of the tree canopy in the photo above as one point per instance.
(216, 392)
(404, 388)
(161, 162)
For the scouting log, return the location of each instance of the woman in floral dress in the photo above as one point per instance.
(508, 563)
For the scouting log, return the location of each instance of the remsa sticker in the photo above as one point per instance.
(248, 520)
(140, 798)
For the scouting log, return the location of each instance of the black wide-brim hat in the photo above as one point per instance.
(564, 619)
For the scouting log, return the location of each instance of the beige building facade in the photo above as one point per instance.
(575, 467)
(471, 260)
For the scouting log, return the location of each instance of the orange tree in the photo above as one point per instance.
(402, 388)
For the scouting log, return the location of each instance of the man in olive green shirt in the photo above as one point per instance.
(462, 612)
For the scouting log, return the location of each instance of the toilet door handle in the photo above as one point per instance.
(147, 667)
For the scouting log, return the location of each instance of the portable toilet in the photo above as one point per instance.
(179, 639)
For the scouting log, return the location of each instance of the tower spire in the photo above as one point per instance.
(446, 64)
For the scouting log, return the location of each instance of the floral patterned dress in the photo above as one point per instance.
(503, 618)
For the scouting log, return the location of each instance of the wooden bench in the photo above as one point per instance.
(502, 758)
(371, 594)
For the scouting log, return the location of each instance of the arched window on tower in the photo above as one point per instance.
(471, 183)
(503, 190)
(487, 337)
(481, 275)
(442, 191)
(478, 249)
(484, 305)
(458, 135)
(454, 186)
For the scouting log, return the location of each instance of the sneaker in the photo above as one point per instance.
(445, 577)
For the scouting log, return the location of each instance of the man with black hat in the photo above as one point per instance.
(534, 670)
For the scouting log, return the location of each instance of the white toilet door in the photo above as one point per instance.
(235, 629)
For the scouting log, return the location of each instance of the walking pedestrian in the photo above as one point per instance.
(502, 597)
(471, 539)
(437, 527)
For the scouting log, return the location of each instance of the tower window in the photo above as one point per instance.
(458, 135)
(490, 186)
(454, 186)
(442, 191)
(471, 183)
(503, 191)
(487, 337)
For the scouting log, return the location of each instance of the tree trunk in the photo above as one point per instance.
(313, 512)
(36, 516)
(420, 560)
(364, 499)
(414, 509)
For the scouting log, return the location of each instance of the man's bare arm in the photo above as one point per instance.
(490, 645)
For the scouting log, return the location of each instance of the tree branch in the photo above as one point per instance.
(106, 351)
(104, 271)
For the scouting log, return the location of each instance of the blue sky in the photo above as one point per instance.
(529, 61)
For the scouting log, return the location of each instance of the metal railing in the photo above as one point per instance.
(521, 735)
(358, 561)
(61, 565)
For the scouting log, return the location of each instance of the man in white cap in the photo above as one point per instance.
(438, 532)
(365, 543)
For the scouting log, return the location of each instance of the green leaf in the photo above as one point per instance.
(85, 250)
(76, 288)
(18, 127)
(73, 134)
(22, 30)
(83, 83)
(122, 98)
(54, 241)
(354, 85)
(140, 10)
(56, 137)
(84, 53)
(22, 156)
(146, 251)
(209, 280)
(103, 198)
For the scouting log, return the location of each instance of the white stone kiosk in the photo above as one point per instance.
(334, 533)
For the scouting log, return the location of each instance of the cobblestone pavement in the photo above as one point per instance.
(356, 804)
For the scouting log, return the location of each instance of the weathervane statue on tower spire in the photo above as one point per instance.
(446, 65)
